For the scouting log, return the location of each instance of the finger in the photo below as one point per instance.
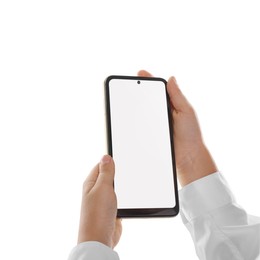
(178, 100)
(144, 73)
(91, 179)
(117, 232)
(106, 171)
(118, 224)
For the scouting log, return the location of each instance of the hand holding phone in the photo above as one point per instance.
(139, 135)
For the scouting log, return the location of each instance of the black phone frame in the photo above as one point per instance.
(141, 212)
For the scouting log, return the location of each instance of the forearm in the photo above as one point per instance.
(220, 228)
(93, 250)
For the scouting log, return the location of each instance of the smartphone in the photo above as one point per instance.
(140, 140)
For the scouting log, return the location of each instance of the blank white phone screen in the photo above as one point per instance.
(141, 144)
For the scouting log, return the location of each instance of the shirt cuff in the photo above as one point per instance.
(204, 195)
(93, 250)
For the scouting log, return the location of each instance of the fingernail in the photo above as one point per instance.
(105, 159)
(174, 79)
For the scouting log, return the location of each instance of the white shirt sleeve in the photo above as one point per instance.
(92, 251)
(219, 227)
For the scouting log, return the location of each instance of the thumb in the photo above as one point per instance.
(178, 100)
(106, 171)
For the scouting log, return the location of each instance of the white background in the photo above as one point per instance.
(54, 57)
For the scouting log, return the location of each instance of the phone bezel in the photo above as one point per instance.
(141, 212)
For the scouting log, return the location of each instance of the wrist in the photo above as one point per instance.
(94, 236)
(90, 229)
(197, 164)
